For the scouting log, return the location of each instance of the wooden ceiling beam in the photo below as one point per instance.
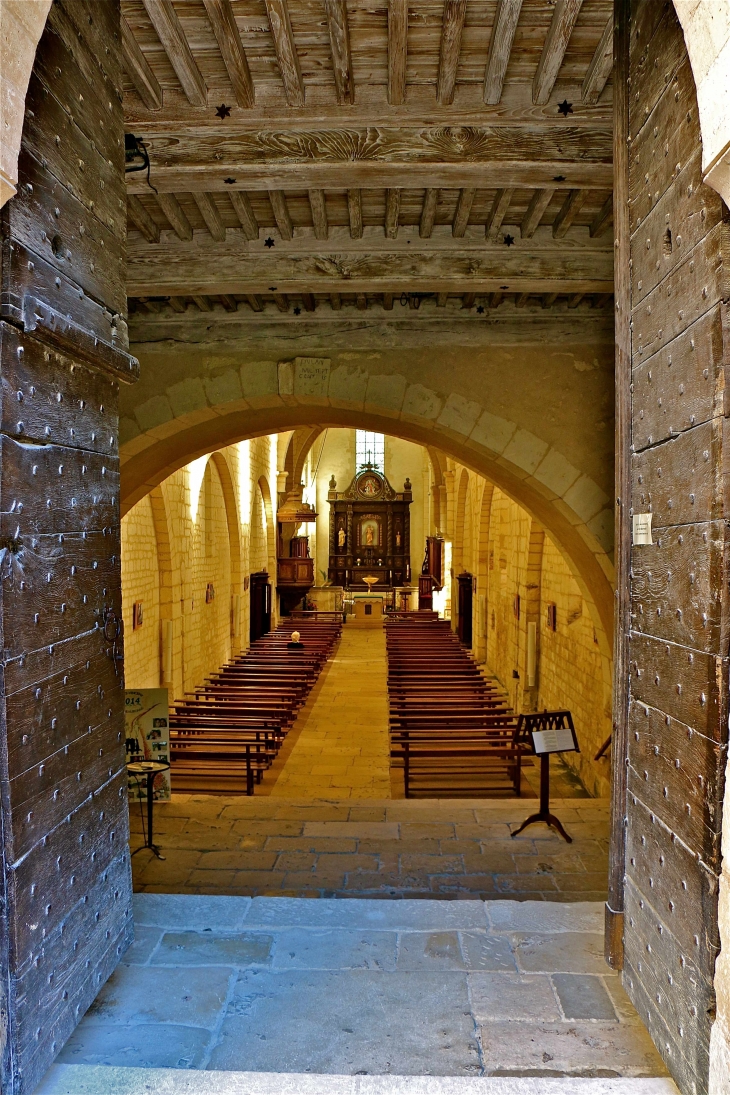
(354, 212)
(271, 112)
(568, 212)
(167, 25)
(538, 204)
(211, 216)
(521, 300)
(335, 302)
(281, 214)
(175, 214)
(467, 301)
(362, 302)
(339, 31)
(561, 26)
(362, 174)
(603, 218)
(600, 67)
(463, 209)
(500, 47)
(428, 213)
(286, 51)
(244, 211)
(441, 299)
(392, 212)
(495, 300)
(397, 51)
(141, 219)
(203, 304)
(451, 29)
(318, 206)
(281, 301)
(575, 300)
(388, 301)
(229, 302)
(178, 305)
(497, 213)
(549, 299)
(145, 82)
(225, 29)
(310, 304)
(254, 302)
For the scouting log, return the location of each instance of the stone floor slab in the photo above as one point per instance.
(582, 996)
(574, 916)
(239, 950)
(512, 996)
(142, 1045)
(559, 952)
(359, 1021)
(176, 910)
(577, 1049)
(325, 949)
(140, 994)
(382, 914)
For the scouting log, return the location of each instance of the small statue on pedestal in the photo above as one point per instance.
(333, 483)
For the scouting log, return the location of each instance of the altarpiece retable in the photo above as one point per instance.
(370, 531)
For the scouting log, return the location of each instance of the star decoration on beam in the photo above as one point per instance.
(509, 240)
(268, 242)
(222, 111)
(297, 311)
(565, 108)
(480, 309)
(272, 288)
(558, 178)
(229, 181)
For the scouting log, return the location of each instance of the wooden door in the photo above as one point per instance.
(66, 883)
(466, 605)
(260, 617)
(670, 731)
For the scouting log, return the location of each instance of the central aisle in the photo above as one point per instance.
(342, 745)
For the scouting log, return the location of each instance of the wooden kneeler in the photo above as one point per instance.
(544, 733)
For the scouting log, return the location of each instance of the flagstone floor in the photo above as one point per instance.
(373, 848)
(429, 988)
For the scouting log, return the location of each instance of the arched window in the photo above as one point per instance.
(370, 449)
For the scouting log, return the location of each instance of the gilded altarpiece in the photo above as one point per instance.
(370, 532)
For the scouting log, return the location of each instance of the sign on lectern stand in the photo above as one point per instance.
(544, 733)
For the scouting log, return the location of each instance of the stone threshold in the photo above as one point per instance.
(105, 1080)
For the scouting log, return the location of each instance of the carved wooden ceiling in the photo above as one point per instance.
(320, 154)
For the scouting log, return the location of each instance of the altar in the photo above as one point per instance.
(368, 611)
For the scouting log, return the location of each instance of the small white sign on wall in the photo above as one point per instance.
(641, 529)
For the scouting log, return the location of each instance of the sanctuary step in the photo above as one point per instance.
(227, 732)
(452, 730)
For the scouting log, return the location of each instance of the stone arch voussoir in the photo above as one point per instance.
(167, 433)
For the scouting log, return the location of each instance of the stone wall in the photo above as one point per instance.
(201, 532)
(507, 551)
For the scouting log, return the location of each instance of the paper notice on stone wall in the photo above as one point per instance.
(642, 529)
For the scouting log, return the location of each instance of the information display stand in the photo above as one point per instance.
(150, 769)
(544, 733)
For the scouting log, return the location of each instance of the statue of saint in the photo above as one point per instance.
(333, 483)
(407, 485)
(397, 539)
(341, 537)
(369, 535)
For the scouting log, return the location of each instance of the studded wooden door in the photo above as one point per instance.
(66, 891)
(673, 457)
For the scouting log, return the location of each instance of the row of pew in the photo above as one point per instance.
(227, 732)
(451, 728)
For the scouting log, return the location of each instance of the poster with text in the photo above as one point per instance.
(148, 738)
